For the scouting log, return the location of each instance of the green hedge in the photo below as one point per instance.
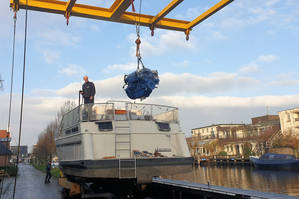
(54, 171)
(11, 170)
(222, 153)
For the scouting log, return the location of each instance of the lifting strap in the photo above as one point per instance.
(22, 96)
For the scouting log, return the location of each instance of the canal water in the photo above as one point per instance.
(245, 177)
(30, 181)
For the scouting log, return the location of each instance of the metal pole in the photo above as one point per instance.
(79, 99)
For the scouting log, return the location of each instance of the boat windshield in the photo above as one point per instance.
(120, 111)
(274, 156)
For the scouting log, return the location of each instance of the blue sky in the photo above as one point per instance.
(236, 63)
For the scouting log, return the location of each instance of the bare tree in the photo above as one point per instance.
(66, 107)
(1, 83)
(45, 147)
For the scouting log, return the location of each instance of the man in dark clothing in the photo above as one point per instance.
(88, 92)
(49, 175)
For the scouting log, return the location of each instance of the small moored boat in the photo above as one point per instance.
(274, 160)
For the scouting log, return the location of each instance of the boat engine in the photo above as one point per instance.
(141, 83)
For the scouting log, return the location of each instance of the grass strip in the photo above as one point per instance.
(54, 171)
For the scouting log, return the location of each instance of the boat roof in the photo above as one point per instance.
(278, 156)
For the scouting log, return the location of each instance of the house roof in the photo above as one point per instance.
(218, 125)
(290, 109)
(4, 133)
(4, 150)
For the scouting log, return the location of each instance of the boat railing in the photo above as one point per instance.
(120, 111)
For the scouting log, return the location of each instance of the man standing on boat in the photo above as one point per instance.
(88, 92)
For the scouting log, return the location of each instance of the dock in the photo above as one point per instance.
(177, 189)
(223, 160)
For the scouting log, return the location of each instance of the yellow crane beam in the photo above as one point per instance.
(119, 7)
(208, 13)
(15, 5)
(165, 11)
(117, 12)
(70, 4)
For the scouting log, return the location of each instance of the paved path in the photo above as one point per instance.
(30, 185)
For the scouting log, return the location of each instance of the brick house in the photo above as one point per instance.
(5, 153)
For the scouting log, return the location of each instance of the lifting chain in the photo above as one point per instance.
(133, 7)
(67, 16)
(138, 42)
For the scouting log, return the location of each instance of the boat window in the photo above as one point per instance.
(105, 126)
(75, 129)
(271, 156)
(69, 131)
(289, 157)
(163, 126)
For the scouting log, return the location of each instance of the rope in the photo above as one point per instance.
(22, 98)
(10, 96)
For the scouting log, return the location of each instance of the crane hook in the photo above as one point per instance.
(187, 33)
(152, 28)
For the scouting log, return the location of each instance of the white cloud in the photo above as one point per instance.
(285, 82)
(254, 66)
(241, 14)
(172, 84)
(43, 92)
(95, 28)
(228, 101)
(271, 2)
(58, 37)
(163, 41)
(38, 112)
(110, 87)
(72, 70)
(71, 90)
(218, 36)
(6, 21)
(120, 67)
(184, 63)
(51, 56)
(267, 58)
(250, 68)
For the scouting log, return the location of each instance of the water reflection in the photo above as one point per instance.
(284, 182)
